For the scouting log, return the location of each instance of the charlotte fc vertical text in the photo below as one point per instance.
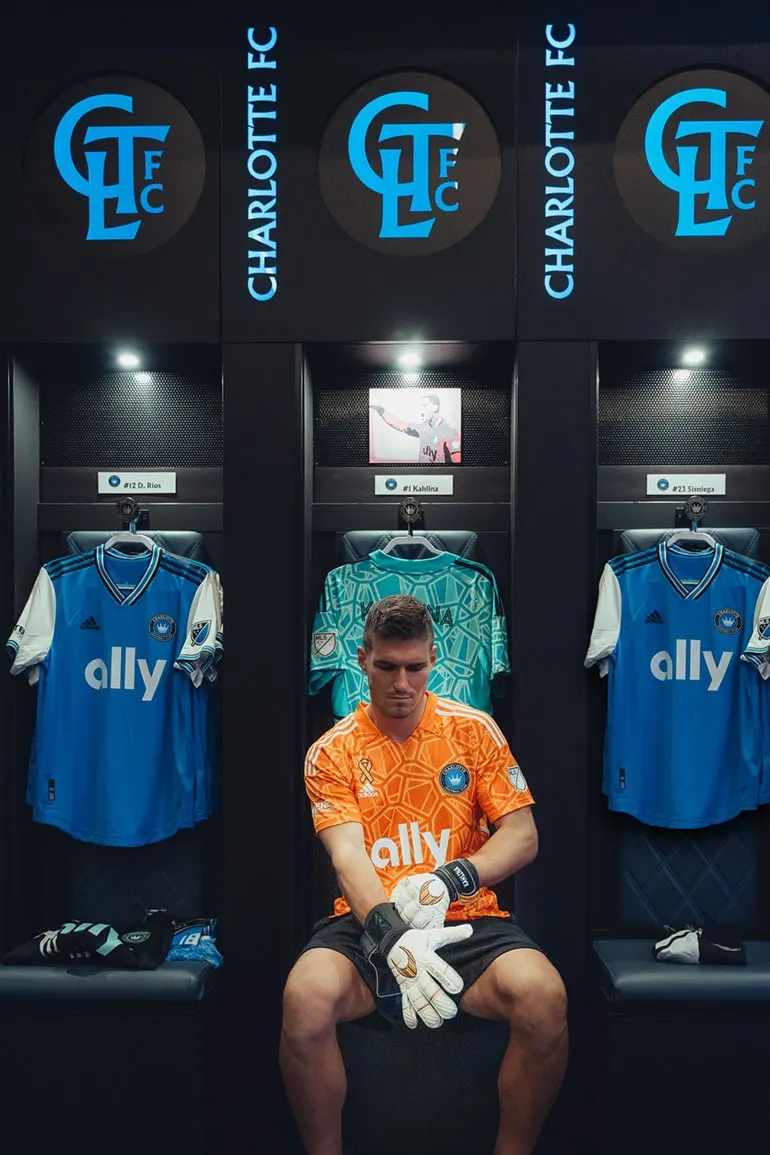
(262, 165)
(559, 164)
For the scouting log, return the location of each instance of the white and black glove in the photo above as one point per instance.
(422, 900)
(425, 980)
(692, 945)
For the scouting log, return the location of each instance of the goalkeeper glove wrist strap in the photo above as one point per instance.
(460, 878)
(384, 926)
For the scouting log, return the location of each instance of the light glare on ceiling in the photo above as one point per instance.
(694, 356)
(410, 360)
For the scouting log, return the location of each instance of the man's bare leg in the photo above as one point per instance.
(523, 988)
(323, 989)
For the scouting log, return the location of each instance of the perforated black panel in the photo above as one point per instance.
(341, 430)
(162, 419)
(684, 417)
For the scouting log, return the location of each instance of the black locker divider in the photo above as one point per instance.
(553, 560)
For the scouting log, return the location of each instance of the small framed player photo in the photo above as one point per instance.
(415, 426)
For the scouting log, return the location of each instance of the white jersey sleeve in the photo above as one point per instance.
(203, 641)
(32, 636)
(757, 650)
(606, 631)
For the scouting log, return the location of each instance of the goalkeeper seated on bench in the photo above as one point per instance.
(403, 792)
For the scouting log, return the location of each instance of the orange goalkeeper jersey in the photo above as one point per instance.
(422, 802)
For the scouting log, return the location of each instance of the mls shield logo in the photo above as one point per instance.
(325, 643)
(199, 632)
(517, 779)
(117, 163)
(409, 164)
(692, 161)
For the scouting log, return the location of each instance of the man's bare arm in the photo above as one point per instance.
(512, 846)
(358, 879)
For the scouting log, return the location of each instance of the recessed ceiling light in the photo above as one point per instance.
(410, 360)
(128, 360)
(694, 356)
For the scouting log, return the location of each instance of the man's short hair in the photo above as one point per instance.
(433, 398)
(398, 618)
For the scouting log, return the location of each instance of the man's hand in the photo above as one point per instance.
(419, 971)
(422, 900)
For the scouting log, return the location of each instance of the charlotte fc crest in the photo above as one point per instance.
(162, 627)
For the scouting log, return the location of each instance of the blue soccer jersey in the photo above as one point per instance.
(683, 743)
(468, 622)
(122, 647)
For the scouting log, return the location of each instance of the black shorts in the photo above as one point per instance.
(470, 958)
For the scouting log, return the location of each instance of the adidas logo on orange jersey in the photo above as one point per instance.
(367, 791)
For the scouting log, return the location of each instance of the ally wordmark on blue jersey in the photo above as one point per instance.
(123, 648)
(466, 611)
(676, 632)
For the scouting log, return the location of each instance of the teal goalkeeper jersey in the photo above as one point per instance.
(468, 622)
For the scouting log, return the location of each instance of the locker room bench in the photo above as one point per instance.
(684, 1050)
(127, 1054)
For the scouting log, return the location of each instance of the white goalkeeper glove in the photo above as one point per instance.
(423, 900)
(425, 980)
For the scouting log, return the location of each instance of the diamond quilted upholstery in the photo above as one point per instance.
(118, 884)
(676, 877)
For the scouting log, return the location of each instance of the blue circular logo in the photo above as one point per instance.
(454, 778)
(662, 484)
(162, 627)
(114, 481)
(391, 483)
(728, 621)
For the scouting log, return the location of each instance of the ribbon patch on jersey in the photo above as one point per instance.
(199, 632)
(517, 779)
(325, 642)
(162, 627)
(454, 778)
(728, 621)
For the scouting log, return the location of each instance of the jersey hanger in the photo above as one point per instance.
(697, 535)
(129, 536)
(409, 539)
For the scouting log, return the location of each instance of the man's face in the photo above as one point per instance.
(397, 672)
(427, 410)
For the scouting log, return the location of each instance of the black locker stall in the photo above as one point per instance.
(349, 523)
(673, 417)
(75, 413)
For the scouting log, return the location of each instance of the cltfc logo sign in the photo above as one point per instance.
(692, 161)
(409, 164)
(118, 163)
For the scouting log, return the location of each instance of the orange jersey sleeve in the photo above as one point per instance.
(329, 787)
(502, 787)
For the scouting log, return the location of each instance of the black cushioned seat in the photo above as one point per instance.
(629, 974)
(172, 982)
